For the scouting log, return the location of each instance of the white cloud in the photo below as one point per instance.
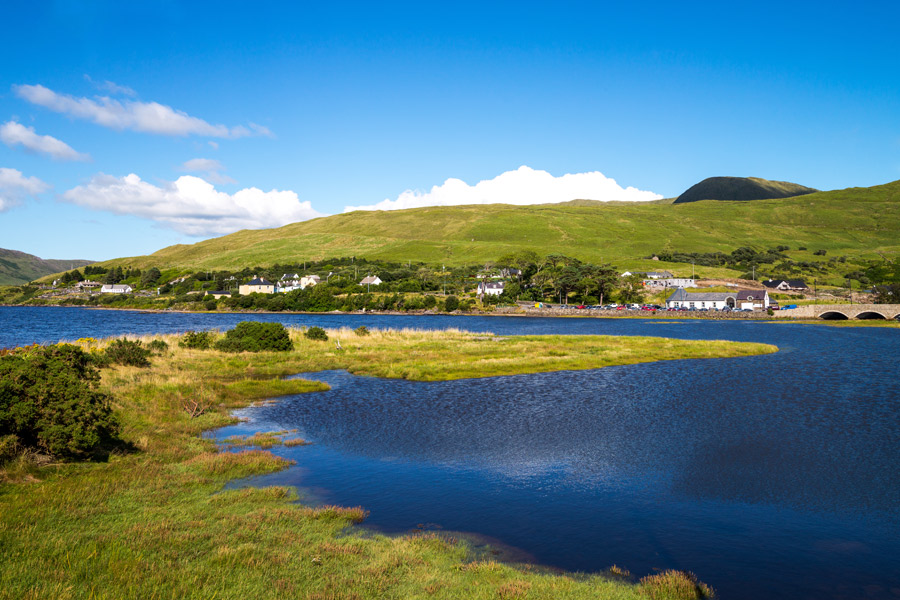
(15, 187)
(16, 134)
(191, 205)
(202, 164)
(522, 186)
(211, 169)
(111, 87)
(146, 117)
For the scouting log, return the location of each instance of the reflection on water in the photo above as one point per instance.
(775, 476)
(666, 465)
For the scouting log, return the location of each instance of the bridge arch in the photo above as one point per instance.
(871, 314)
(834, 315)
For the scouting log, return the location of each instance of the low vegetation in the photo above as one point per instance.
(153, 519)
(256, 336)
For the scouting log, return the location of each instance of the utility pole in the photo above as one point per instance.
(444, 278)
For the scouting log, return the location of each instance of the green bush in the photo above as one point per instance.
(361, 330)
(451, 303)
(128, 352)
(197, 340)
(210, 304)
(158, 346)
(253, 336)
(49, 402)
(317, 333)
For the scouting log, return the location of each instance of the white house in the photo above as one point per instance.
(289, 279)
(117, 288)
(371, 280)
(786, 285)
(309, 280)
(670, 282)
(753, 299)
(650, 274)
(707, 300)
(490, 288)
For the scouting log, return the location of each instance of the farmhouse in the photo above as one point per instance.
(786, 285)
(87, 284)
(218, 294)
(490, 288)
(670, 282)
(371, 280)
(117, 288)
(650, 274)
(707, 300)
(257, 285)
(752, 299)
(309, 280)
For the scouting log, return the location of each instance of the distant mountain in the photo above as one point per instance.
(742, 188)
(18, 267)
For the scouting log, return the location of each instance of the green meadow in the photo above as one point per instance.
(858, 223)
(153, 521)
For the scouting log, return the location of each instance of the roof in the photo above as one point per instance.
(119, 287)
(680, 295)
(794, 283)
(370, 279)
(493, 285)
(260, 281)
(750, 294)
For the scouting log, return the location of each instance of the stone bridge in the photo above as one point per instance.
(842, 311)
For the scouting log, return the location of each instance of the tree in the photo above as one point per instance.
(150, 277)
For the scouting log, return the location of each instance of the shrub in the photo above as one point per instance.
(49, 402)
(197, 340)
(316, 333)
(210, 304)
(158, 346)
(675, 585)
(253, 336)
(128, 352)
(361, 330)
(451, 303)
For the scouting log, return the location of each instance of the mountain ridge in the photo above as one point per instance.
(18, 267)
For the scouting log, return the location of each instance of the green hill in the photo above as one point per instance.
(741, 188)
(856, 222)
(18, 267)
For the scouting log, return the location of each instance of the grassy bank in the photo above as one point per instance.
(154, 521)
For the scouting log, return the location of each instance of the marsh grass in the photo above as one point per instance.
(158, 523)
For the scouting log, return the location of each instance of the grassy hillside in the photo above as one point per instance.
(742, 188)
(18, 267)
(856, 222)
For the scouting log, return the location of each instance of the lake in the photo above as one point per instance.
(775, 476)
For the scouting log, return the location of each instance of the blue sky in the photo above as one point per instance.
(127, 127)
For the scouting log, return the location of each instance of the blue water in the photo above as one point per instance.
(774, 476)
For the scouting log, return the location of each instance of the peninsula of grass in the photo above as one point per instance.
(155, 522)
